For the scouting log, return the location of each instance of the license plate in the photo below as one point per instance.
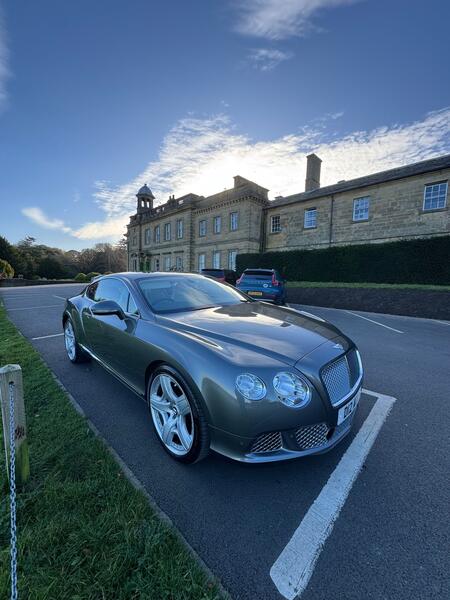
(348, 408)
(254, 293)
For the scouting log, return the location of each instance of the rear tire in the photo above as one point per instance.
(177, 416)
(74, 352)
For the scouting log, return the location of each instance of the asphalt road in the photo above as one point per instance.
(391, 538)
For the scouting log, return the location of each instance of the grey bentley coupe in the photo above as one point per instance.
(218, 369)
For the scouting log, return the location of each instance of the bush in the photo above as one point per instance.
(6, 270)
(410, 261)
(81, 278)
(90, 276)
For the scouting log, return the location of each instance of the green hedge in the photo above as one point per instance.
(409, 261)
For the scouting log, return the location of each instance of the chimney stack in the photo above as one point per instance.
(312, 181)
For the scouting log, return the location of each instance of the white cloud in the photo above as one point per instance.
(36, 215)
(202, 155)
(111, 228)
(266, 59)
(280, 19)
(4, 72)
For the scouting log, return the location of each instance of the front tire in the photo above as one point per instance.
(177, 416)
(74, 352)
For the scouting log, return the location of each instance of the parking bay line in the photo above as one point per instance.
(372, 321)
(60, 297)
(35, 307)
(294, 567)
(44, 337)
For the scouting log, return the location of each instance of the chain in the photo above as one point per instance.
(12, 479)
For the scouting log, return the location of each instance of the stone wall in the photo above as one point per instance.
(395, 212)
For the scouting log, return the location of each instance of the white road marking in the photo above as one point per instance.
(35, 307)
(44, 337)
(372, 321)
(60, 297)
(292, 570)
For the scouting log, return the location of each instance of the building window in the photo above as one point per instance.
(167, 263)
(201, 261)
(233, 221)
(157, 235)
(217, 224)
(435, 196)
(179, 263)
(275, 224)
(134, 240)
(216, 259)
(202, 228)
(232, 259)
(135, 264)
(361, 208)
(179, 229)
(167, 232)
(310, 218)
(156, 264)
(147, 236)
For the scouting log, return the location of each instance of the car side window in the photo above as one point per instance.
(90, 292)
(132, 308)
(112, 289)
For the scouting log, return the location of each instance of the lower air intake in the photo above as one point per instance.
(267, 442)
(312, 436)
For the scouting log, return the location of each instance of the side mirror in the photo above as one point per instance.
(107, 307)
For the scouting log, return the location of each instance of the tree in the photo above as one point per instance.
(6, 270)
(51, 268)
(10, 254)
(27, 242)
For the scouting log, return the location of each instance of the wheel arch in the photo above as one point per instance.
(151, 368)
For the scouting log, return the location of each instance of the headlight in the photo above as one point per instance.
(250, 386)
(291, 389)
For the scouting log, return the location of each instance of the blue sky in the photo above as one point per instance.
(100, 96)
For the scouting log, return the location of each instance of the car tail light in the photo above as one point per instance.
(275, 282)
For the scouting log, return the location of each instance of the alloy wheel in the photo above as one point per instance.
(171, 414)
(69, 340)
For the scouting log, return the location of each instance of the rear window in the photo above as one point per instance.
(258, 274)
(213, 272)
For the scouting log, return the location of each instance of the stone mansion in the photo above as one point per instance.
(195, 232)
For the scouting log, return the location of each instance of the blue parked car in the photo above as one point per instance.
(263, 284)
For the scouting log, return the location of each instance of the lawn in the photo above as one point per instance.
(84, 531)
(389, 286)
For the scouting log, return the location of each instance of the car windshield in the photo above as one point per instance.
(169, 294)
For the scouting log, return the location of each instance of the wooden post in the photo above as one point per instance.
(12, 374)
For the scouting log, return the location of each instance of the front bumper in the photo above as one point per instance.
(281, 445)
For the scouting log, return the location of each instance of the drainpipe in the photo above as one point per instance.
(262, 237)
(330, 241)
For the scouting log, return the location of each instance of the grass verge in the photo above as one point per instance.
(84, 531)
(388, 286)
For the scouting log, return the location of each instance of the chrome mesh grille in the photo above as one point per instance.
(337, 379)
(267, 442)
(312, 436)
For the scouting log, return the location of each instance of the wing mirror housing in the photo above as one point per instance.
(107, 307)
